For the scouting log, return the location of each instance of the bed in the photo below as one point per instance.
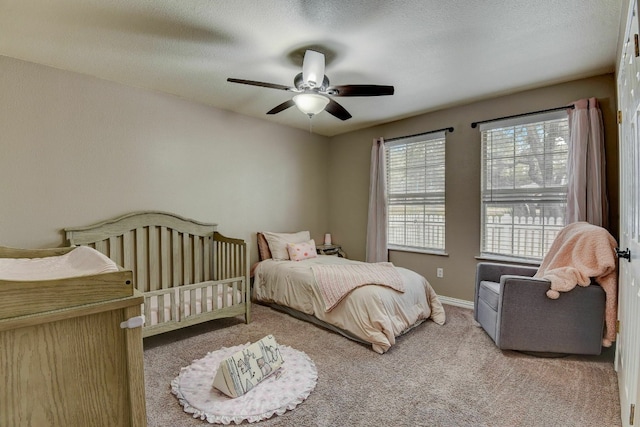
(187, 272)
(372, 314)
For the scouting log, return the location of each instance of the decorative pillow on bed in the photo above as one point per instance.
(278, 242)
(263, 247)
(300, 251)
(243, 370)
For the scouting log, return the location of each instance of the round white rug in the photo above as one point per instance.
(281, 391)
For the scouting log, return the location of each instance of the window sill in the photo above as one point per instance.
(512, 260)
(418, 250)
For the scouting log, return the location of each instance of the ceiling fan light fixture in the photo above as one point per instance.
(310, 103)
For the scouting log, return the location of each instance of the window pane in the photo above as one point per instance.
(521, 230)
(415, 192)
(420, 226)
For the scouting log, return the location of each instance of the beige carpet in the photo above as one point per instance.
(450, 375)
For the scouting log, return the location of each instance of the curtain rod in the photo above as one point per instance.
(475, 124)
(419, 134)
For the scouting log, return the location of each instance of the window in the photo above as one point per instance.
(415, 192)
(524, 184)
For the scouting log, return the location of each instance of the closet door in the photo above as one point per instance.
(628, 340)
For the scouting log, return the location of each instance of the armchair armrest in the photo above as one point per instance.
(518, 291)
(492, 271)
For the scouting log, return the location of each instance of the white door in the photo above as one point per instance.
(627, 362)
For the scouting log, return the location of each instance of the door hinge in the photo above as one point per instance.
(617, 326)
(632, 411)
(637, 48)
(619, 117)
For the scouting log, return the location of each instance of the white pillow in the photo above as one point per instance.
(278, 242)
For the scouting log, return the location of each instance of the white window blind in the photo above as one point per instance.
(524, 184)
(416, 192)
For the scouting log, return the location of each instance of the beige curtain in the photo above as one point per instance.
(586, 190)
(376, 250)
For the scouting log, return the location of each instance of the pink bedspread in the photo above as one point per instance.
(337, 281)
(582, 251)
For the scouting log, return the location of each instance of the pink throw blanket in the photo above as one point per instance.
(582, 251)
(337, 281)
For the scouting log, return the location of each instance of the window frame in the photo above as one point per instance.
(547, 197)
(439, 197)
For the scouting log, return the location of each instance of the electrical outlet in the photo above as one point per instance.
(440, 272)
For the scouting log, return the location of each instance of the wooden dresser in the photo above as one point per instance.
(73, 366)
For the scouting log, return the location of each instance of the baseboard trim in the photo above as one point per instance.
(456, 302)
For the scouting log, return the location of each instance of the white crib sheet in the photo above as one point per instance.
(218, 291)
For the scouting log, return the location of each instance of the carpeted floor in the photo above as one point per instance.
(450, 375)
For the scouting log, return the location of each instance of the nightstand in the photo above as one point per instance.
(330, 250)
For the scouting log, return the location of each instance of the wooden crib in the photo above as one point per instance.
(187, 271)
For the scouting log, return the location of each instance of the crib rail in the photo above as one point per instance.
(166, 251)
(229, 256)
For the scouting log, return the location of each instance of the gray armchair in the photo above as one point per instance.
(513, 308)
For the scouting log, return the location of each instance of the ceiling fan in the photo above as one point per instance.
(314, 92)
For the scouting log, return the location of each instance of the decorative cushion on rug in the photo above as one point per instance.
(243, 370)
(278, 393)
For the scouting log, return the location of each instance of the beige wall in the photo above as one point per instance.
(349, 174)
(75, 150)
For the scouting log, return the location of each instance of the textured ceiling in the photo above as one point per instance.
(436, 53)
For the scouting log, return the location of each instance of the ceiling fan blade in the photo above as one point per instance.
(281, 107)
(337, 110)
(360, 90)
(313, 68)
(261, 84)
